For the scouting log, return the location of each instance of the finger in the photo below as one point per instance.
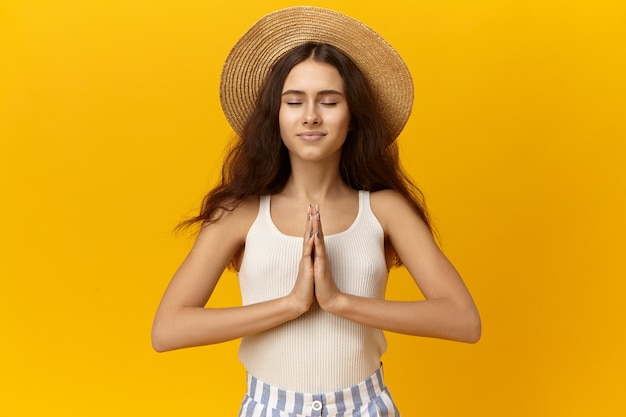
(318, 217)
(307, 245)
(315, 220)
(319, 233)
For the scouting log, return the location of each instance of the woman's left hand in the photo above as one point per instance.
(326, 290)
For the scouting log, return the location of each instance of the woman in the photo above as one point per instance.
(312, 211)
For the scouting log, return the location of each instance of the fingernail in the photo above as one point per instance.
(318, 234)
(311, 234)
(317, 208)
(318, 216)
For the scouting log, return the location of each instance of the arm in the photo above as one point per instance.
(182, 319)
(448, 312)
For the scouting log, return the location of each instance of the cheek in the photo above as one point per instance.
(282, 122)
(286, 123)
(342, 122)
(285, 117)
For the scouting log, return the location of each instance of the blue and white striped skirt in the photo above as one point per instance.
(370, 398)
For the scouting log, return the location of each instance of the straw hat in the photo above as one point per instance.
(275, 34)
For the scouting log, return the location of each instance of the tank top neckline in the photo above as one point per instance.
(266, 212)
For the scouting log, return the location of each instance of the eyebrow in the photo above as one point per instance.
(319, 93)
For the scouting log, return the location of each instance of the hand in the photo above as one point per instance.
(326, 291)
(303, 290)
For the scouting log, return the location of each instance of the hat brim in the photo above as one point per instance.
(275, 34)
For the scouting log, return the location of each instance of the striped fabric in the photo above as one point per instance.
(370, 398)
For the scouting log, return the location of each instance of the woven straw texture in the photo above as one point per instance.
(275, 34)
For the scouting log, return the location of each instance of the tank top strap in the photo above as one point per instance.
(264, 205)
(364, 202)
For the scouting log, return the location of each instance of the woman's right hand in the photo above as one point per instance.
(183, 318)
(303, 292)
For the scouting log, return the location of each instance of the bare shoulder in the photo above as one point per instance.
(245, 213)
(389, 206)
(234, 223)
(386, 199)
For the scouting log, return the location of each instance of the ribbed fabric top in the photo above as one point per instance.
(317, 352)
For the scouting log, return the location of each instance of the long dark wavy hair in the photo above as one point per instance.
(258, 163)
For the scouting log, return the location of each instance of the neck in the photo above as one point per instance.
(315, 181)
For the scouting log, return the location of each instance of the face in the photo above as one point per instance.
(314, 117)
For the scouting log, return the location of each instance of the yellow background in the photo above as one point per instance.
(111, 132)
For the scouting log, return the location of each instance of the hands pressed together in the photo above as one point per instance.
(448, 311)
(315, 279)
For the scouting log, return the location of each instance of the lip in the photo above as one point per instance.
(311, 135)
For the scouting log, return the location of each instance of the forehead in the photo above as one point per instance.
(311, 76)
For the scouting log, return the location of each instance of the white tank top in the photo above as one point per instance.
(317, 352)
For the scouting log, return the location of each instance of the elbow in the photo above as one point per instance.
(158, 346)
(472, 327)
(473, 335)
(159, 338)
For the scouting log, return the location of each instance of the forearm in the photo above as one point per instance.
(197, 326)
(438, 318)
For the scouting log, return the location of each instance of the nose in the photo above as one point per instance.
(311, 117)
